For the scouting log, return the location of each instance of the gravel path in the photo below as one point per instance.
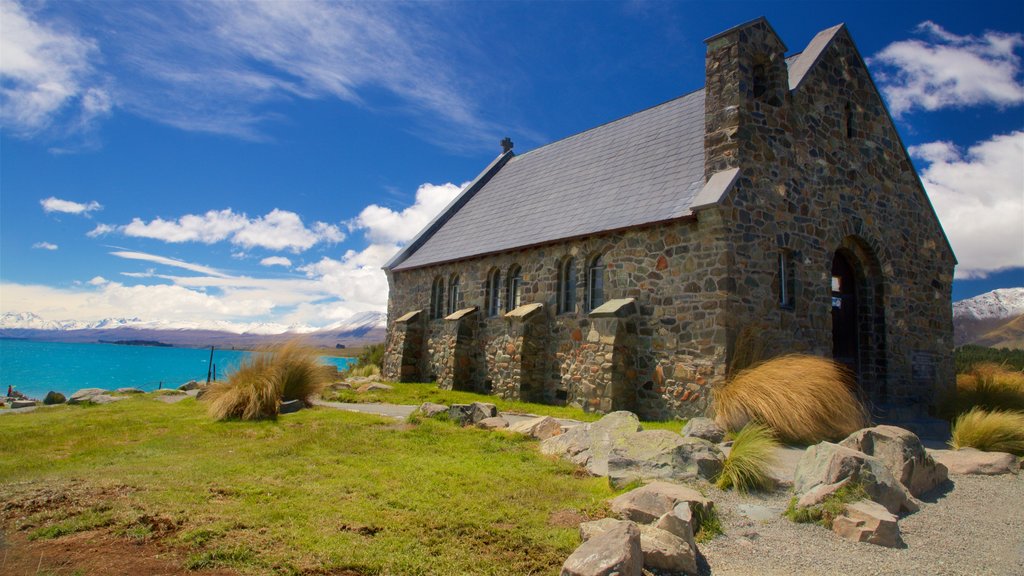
(976, 528)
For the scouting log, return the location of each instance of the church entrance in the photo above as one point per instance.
(844, 313)
(858, 317)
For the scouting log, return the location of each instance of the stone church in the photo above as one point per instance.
(630, 265)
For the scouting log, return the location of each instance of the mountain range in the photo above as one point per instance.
(359, 329)
(994, 319)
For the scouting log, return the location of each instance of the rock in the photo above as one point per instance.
(15, 404)
(589, 445)
(759, 513)
(680, 521)
(105, 399)
(649, 503)
(820, 493)
(867, 521)
(84, 395)
(597, 527)
(903, 454)
(429, 409)
(614, 552)
(972, 461)
(481, 410)
(663, 550)
(340, 386)
(705, 429)
(190, 385)
(201, 392)
(130, 391)
(374, 387)
(494, 423)
(828, 463)
(459, 413)
(54, 398)
(663, 455)
(289, 406)
(540, 428)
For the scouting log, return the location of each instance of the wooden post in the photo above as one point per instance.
(209, 369)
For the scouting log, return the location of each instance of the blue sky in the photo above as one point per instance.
(258, 162)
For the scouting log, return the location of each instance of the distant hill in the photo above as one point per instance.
(994, 319)
(360, 329)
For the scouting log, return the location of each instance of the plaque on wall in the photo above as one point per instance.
(923, 367)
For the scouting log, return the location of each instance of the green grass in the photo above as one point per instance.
(828, 510)
(710, 527)
(418, 393)
(87, 520)
(316, 490)
(747, 466)
(990, 431)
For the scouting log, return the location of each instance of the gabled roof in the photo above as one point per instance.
(641, 169)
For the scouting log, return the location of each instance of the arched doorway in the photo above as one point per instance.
(844, 313)
(858, 317)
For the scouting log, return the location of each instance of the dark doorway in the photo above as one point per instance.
(844, 313)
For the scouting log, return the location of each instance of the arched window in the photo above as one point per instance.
(453, 294)
(437, 298)
(849, 121)
(760, 79)
(514, 289)
(787, 280)
(595, 282)
(567, 286)
(493, 294)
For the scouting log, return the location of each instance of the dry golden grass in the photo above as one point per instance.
(750, 349)
(988, 386)
(255, 390)
(995, 431)
(803, 399)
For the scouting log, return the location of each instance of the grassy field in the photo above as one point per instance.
(316, 492)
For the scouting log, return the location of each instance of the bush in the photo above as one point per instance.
(752, 455)
(970, 355)
(828, 510)
(364, 371)
(54, 398)
(987, 386)
(995, 431)
(372, 355)
(803, 399)
(255, 390)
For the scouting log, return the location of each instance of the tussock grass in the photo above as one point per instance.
(363, 371)
(752, 455)
(995, 431)
(255, 390)
(988, 386)
(803, 399)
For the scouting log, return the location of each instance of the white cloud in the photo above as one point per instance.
(45, 246)
(277, 230)
(946, 70)
(169, 262)
(46, 72)
(53, 204)
(979, 196)
(100, 230)
(98, 281)
(276, 261)
(384, 225)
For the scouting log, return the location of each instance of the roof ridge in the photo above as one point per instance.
(603, 124)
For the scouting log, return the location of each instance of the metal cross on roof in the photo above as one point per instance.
(506, 144)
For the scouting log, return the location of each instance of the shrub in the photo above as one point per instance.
(995, 431)
(752, 455)
(987, 386)
(255, 390)
(803, 399)
(828, 510)
(364, 371)
(372, 355)
(54, 398)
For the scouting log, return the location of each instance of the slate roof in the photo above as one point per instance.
(644, 168)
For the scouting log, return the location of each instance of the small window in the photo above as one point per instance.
(493, 294)
(787, 280)
(595, 283)
(567, 286)
(849, 121)
(453, 294)
(760, 80)
(514, 291)
(437, 298)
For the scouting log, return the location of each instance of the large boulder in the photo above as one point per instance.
(85, 395)
(972, 461)
(290, 406)
(649, 503)
(16, 404)
(680, 521)
(374, 387)
(429, 409)
(903, 454)
(472, 413)
(590, 444)
(53, 397)
(130, 390)
(663, 550)
(597, 527)
(105, 399)
(540, 428)
(705, 429)
(190, 385)
(615, 552)
(493, 423)
(867, 521)
(662, 455)
(828, 463)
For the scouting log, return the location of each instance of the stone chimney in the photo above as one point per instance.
(745, 95)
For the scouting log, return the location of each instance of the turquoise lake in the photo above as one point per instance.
(34, 368)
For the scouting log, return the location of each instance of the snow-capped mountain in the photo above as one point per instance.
(998, 304)
(361, 320)
(994, 319)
